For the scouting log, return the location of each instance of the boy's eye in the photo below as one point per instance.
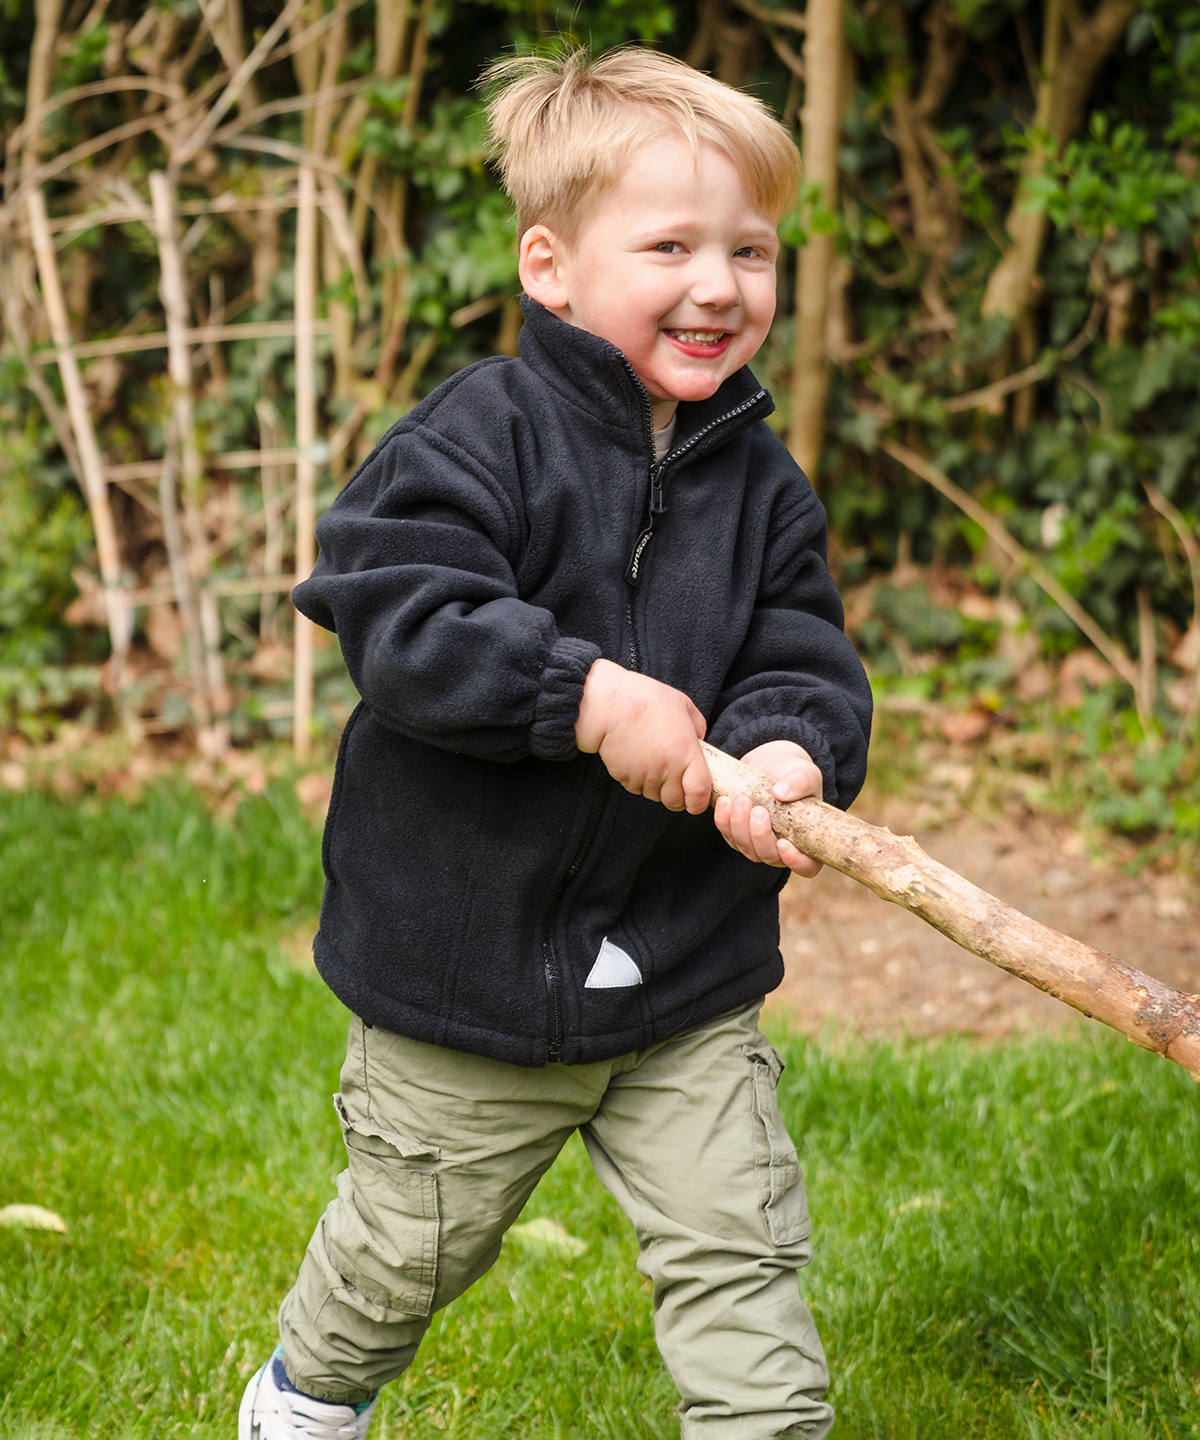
(668, 247)
(749, 252)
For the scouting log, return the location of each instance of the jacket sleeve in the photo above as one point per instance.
(414, 577)
(797, 677)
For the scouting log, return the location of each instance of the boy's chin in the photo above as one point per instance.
(701, 388)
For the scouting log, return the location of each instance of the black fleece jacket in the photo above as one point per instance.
(488, 887)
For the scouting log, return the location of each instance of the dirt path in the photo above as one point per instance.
(857, 962)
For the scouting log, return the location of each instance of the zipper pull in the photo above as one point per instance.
(632, 570)
(657, 502)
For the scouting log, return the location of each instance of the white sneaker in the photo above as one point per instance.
(270, 1412)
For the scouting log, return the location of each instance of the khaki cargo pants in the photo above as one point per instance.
(444, 1149)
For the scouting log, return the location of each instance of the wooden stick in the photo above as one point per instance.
(1145, 1010)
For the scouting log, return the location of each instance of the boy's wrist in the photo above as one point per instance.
(594, 705)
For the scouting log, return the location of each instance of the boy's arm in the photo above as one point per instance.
(797, 678)
(414, 578)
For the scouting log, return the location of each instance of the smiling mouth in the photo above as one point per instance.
(701, 342)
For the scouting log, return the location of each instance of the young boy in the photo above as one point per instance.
(549, 581)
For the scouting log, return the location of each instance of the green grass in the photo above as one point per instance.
(1008, 1246)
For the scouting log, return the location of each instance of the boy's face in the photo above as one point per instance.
(674, 264)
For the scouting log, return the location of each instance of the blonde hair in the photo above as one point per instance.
(563, 125)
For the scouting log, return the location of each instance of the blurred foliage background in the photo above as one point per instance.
(1005, 434)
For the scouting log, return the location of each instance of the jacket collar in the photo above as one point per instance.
(594, 374)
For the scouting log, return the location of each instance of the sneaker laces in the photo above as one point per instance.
(351, 1424)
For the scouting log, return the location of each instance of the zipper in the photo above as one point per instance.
(550, 962)
(656, 506)
(657, 491)
(748, 404)
(633, 570)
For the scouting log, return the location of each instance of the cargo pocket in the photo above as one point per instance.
(781, 1182)
(384, 1242)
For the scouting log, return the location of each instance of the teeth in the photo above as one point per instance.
(699, 337)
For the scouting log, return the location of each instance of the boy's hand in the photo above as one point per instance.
(748, 827)
(647, 734)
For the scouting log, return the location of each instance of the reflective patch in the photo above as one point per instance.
(614, 969)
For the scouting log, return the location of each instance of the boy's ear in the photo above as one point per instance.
(543, 276)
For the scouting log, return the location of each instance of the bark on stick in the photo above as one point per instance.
(1145, 1010)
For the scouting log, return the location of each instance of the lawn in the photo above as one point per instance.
(1008, 1238)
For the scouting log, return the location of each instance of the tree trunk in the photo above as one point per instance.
(1072, 57)
(820, 124)
(1145, 1010)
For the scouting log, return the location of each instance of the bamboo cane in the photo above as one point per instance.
(91, 478)
(1145, 1010)
(188, 544)
(306, 432)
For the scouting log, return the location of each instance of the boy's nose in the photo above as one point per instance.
(714, 283)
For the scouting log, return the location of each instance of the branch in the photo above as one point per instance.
(51, 169)
(941, 482)
(41, 74)
(989, 395)
(327, 166)
(789, 19)
(224, 21)
(160, 339)
(237, 83)
(947, 45)
(113, 86)
(310, 101)
(1067, 76)
(1190, 545)
(1145, 1010)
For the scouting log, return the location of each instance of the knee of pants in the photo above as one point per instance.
(388, 1236)
(382, 1234)
(720, 1173)
(783, 1200)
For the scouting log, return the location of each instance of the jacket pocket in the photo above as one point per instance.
(782, 1196)
(384, 1234)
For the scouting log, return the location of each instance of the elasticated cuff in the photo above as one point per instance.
(553, 733)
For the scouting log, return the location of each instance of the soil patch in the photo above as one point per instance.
(860, 964)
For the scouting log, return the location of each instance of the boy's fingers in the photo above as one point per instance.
(799, 783)
(670, 794)
(689, 789)
(697, 785)
(747, 828)
(797, 862)
(765, 846)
